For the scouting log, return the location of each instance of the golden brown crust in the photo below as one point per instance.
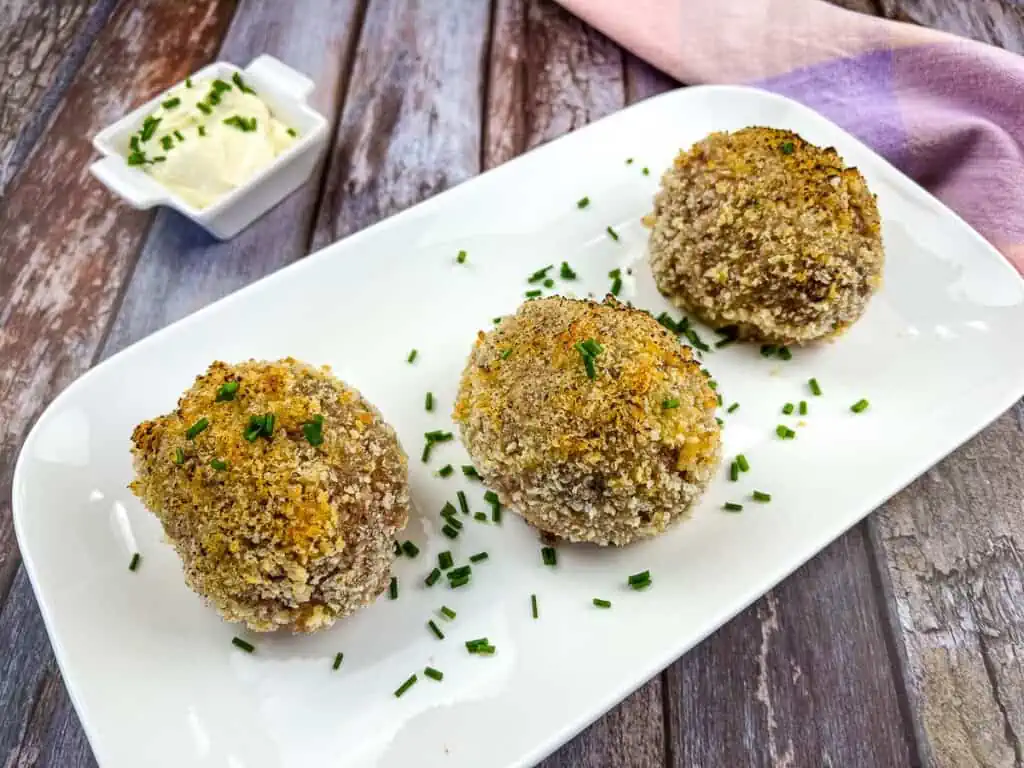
(765, 231)
(599, 460)
(288, 534)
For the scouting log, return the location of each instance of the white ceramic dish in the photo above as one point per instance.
(285, 91)
(152, 671)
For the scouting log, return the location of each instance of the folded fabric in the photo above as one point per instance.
(948, 112)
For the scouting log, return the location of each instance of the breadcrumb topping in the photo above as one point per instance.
(600, 460)
(273, 530)
(765, 231)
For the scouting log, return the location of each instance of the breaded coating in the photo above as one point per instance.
(605, 460)
(761, 230)
(274, 531)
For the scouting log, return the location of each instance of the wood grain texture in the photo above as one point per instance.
(998, 22)
(802, 678)
(181, 269)
(951, 552)
(410, 127)
(549, 74)
(41, 47)
(66, 256)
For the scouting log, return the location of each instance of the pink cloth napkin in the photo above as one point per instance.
(949, 112)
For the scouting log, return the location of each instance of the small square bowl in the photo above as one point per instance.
(285, 91)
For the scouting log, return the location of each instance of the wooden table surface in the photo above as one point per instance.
(900, 644)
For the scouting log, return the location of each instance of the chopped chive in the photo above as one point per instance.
(712, 383)
(496, 320)
(227, 391)
(718, 399)
(478, 557)
(179, 456)
(463, 504)
(785, 432)
(461, 258)
(410, 549)
(236, 78)
(405, 686)
(742, 463)
(134, 564)
(292, 132)
(540, 274)
(473, 645)
(485, 650)
(696, 340)
(219, 464)
(720, 422)
(433, 674)
(470, 471)
(448, 508)
(566, 273)
(481, 516)
(458, 573)
(549, 283)
(167, 142)
(438, 436)
(670, 403)
(412, 355)
(205, 109)
(459, 582)
(815, 387)
(602, 603)
(646, 171)
(533, 606)
(616, 286)
(583, 202)
(769, 350)
(533, 294)
(454, 522)
(312, 430)
(761, 496)
(730, 506)
(629, 161)
(446, 470)
(860, 406)
(201, 130)
(612, 233)
(338, 657)
(803, 407)
(149, 128)
(435, 629)
(732, 408)
(428, 401)
(447, 612)
(787, 408)
(491, 497)
(195, 429)
(450, 532)
(243, 644)
(734, 471)
(496, 513)
(445, 560)
(787, 147)
(188, 82)
(785, 354)
(549, 556)
(432, 577)
(644, 577)
(505, 353)
(427, 448)
(393, 588)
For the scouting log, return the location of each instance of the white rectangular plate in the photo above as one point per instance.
(152, 671)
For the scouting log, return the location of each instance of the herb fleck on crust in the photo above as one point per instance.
(599, 460)
(286, 534)
(762, 230)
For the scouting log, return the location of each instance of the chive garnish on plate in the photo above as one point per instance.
(785, 432)
(448, 508)
(566, 272)
(612, 233)
(734, 471)
(410, 549)
(338, 658)
(393, 588)
(742, 463)
(732, 408)
(405, 686)
(787, 409)
(583, 202)
(219, 464)
(860, 406)
(731, 506)
(761, 496)
(815, 387)
(428, 401)
(447, 612)
(540, 274)
(478, 557)
(470, 471)
(803, 407)
(549, 556)
(313, 430)
(480, 517)
(533, 294)
(669, 403)
(435, 629)
(179, 456)
(461, 258)
(446, 470)
(412, 355)
(432, 577)
(646, 171)
(533, 606)
(243, 644)
(602, 603)
(134, 564)
(433, 674)
(227, 391)
(445, 560)
(463, 503)
(450, 532)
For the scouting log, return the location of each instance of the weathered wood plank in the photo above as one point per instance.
(42, 45)
(998, 22)
(179, 270)
(66, 256)
(951, 553)
(410, 127)
(802, 678)
(550, 74)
